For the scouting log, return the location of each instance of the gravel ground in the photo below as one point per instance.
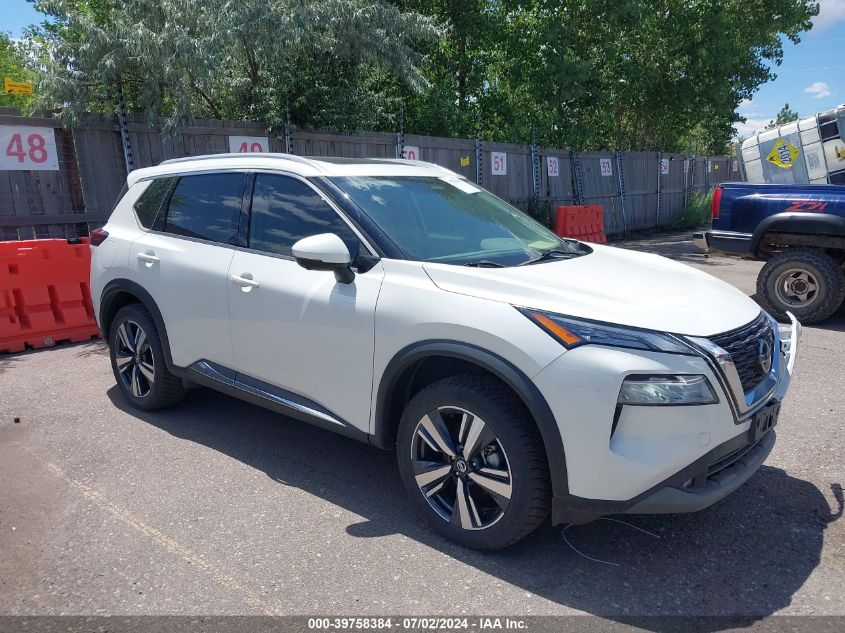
(219, 507)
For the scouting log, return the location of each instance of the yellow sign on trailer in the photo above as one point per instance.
(783, 154)
(16, 87)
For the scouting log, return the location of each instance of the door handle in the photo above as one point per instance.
(148, 258)
(245, 282)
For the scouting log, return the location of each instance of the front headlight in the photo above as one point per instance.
(638, 389)
(571, 332)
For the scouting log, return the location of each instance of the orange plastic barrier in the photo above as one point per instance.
(583, 222)
(44, 294)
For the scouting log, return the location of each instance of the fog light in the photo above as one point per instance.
(662, 389)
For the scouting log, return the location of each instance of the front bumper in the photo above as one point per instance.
(701, 484)
(659, 459)
(728, 242)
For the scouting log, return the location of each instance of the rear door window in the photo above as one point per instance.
(206, 206)
(149, 208)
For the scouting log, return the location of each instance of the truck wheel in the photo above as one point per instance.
(473, 463)
(804, 281)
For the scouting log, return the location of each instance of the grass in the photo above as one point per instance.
(696, 213)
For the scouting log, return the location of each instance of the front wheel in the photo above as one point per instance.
(472, 460)
(807, 282)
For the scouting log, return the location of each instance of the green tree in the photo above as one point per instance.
(784, 116)
(627, 74)
(640, 75)
(13, 65)
(219, 58)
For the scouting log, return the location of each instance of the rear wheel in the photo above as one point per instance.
(807, 282)
(138, 363)
(473, 462)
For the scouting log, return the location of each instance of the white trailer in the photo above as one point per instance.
(810, 150)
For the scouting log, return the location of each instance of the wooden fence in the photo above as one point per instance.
(639, 190)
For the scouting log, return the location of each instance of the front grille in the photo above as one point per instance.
(743, 344)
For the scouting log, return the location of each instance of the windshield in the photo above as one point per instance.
(450, 220)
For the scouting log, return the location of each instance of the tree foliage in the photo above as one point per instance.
(627, 74)
(784, 116)
(230, 58)
(13, 65)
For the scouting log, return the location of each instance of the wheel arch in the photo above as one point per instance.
(122, 292)
(797, 223)
(397, 379)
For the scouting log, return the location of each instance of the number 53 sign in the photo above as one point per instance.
(24, 148)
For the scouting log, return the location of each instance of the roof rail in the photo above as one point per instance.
(280, 156)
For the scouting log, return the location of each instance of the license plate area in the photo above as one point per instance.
(763, 421)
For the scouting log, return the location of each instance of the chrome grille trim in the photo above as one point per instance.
(745, 401)
(743, 346)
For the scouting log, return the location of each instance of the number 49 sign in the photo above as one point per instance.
(248, 144)
(24, 148)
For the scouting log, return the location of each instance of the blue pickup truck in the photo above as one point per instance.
(798, 230)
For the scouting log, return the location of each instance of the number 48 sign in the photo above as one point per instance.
(24, 148)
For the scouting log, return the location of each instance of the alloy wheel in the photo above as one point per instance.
(461, 468)
(134, 359)
(797, 287)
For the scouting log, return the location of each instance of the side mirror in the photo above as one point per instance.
(324, 252)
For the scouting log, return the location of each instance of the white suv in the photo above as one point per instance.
(514, 372)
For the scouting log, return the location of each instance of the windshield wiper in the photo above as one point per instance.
(484, 263)
(553, 253)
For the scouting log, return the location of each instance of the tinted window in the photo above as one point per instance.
(149, 207)
(204, 206)
(448, 219)
(284, 210)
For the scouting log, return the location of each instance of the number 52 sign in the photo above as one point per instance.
(24, 148)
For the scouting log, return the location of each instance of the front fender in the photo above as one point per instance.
(499, 367)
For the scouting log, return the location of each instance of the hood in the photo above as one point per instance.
(612, 285)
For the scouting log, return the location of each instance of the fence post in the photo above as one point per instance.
(479, 169)
(535, 169)
(659, 185)
(578, 188)
(621, 192)
(288, 135)
(124, 129)
(400, 135)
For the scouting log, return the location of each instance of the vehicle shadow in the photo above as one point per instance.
(745, 557)
(677, 246)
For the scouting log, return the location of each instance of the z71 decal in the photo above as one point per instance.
(807, 206)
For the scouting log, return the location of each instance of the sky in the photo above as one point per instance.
(811, 78)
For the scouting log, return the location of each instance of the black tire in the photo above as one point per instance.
(517, 447)
(816, 265)
(164, 389)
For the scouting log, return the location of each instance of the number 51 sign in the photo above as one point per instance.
(24, 148)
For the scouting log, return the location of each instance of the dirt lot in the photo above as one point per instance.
(218, 507)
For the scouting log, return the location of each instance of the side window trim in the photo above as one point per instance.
(242, 232)
(365, 243)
